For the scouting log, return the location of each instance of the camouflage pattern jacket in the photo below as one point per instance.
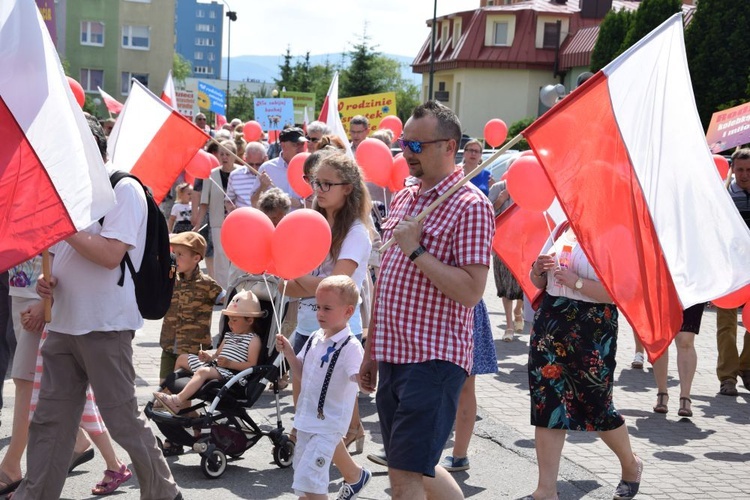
(187, 324)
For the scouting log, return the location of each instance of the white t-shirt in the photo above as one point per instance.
(356, 246)
(23, 277)
(241, 186)
(342, 388)
(87, 296)
(277, 170)
(181, 212)
(578, 264)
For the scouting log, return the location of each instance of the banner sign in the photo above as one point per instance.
(374, 107)
(274, 113)
(302, 100)
(185, 102)
(47, 9)
(729, 128)
(211, 98)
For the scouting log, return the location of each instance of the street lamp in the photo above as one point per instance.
(232, 15)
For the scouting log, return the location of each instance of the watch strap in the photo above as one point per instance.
(416, 253)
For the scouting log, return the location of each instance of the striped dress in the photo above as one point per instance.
(234, 348)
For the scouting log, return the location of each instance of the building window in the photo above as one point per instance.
(444, 37)
(198, 56)
(204, 27)
(500, 33)
(127, 76)
(551, 38)
(456, 32)
(211, 56)
(204, 42)
(92, 33)
(200, 13)
(212, 14)
(200, 70)
(136, 37)
(91, 79)
(139, 1)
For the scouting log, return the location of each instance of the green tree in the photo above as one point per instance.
(650, 14)
(718, 51)
(516, 128)
(242, 103)
(361, 77)
(320, 76)
(181, 68)
(302, 79)
(611, 38)
(286, 72)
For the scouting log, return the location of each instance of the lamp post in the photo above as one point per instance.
(432, 50)
(232, 16)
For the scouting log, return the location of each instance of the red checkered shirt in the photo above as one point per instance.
(414, 321)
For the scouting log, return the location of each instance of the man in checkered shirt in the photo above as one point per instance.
(420, 337)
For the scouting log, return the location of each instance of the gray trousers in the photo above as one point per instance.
(105, 360)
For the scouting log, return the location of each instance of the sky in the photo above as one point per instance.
(396, 27)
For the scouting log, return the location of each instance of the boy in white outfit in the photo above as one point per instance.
(329, 363)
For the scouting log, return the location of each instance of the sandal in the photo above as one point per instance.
(508, 335)
(171, 402)
(661, 402)
(116, 478)
(685, 410)
(7, 485)
(170, 449)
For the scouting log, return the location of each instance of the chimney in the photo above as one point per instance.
(595, 9)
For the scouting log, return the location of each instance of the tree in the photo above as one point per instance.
(302, 79)
(516, 128)
(181, 69)
(612, 33)
(361, 77)
(243, 106)
(286, 71)
(650, 14)
(718, 52)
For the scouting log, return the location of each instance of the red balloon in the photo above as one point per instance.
(528, 184)
(252, 131)
(376, 161)
(78, 92)
(189, 178)
(294, 175)
(200, 165)
(249, 254)
(722, 165)
(734, 299)
(214, 161)
(528, 152)
(392, 123)
(300, 243)
(495, 132)
(399, 173)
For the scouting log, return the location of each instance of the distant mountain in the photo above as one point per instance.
(266, 68)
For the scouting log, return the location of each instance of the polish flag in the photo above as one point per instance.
(329, 113)
(153, 141)
(113, 105)
(168, 95)
(219, 121)
(627, 157)
(53, 182)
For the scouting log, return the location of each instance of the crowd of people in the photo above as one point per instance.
(407, 323)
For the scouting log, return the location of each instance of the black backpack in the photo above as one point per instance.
(154, 281)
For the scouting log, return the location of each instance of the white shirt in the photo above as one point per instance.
(356, 246)
(87, 297)
(579, 264)
(241, 186)
(277, 171)
(342, 388)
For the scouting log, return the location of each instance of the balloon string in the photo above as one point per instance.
(276, 315)
(385, 201)
(226, 198)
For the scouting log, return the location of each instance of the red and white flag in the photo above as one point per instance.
(329, 113)
(113, 105)
(219, 121)
(168, 95)
(627, 157)
(53, 182)
(153, 141)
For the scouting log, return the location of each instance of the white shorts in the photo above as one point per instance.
(312, 462)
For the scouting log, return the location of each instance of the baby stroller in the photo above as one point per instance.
(220, 411)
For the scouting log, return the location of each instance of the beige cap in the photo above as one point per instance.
(190, 239)
(245, 304)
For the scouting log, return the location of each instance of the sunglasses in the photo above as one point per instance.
(324, 187)
(416, 146)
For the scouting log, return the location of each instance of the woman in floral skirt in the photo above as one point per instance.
(572, 365)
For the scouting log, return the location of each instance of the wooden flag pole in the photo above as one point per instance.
(234, 155)
(47, 271)
(428, 210)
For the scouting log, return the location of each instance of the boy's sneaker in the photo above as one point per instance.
(638, 360)
(454, 464)
(351, 491)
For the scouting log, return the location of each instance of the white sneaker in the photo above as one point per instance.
(638, 360)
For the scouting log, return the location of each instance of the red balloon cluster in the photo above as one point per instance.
(722, 165)
(495, 132)
(252, 131)
(201, 165)
(295, 175)
(399, 173)
(528, 185)
(392, 123)
(376, 161)
(277, 250)
(78, 92)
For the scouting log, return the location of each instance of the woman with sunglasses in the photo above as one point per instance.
(342, 198)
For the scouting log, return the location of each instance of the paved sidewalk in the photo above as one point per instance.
(706, 456)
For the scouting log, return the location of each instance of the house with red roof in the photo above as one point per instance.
(491, 62)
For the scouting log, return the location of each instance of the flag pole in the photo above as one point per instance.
(428, 210)
(47, 271)
(234, 155)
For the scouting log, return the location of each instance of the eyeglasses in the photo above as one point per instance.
(312, 139)
(324, 187)
(416, 146)
(475, 151)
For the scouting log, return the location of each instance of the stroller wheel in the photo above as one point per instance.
(283, 453)
(214, 465)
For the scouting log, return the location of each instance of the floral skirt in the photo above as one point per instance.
(572, 365)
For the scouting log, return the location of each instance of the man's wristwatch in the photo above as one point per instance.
(416, 253)
(579, 283)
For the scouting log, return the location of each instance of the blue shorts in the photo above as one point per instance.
(417, 408)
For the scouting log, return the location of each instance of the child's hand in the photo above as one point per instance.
(223, 362)
(282, 343)
(204, 357)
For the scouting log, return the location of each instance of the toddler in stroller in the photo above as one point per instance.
(220, 413)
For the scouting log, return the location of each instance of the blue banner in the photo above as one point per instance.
(274, 113)
(211, 98)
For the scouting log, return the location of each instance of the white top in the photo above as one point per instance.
(241, 186)
(181, 212)
(342, 388)
(277, 171)
(356, 246)
(87, 296)
(578, 264)
(23, 277)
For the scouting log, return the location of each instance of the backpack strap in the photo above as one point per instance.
(114, 178)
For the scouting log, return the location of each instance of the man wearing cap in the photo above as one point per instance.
(273, 173)
(187, 325)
